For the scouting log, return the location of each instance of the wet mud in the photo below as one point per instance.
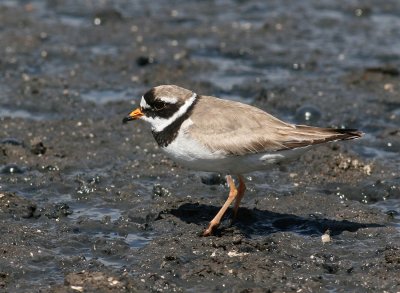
(88, 204)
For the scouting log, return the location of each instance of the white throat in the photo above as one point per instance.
(158, 124)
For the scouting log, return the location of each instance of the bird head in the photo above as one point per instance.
(162, 105)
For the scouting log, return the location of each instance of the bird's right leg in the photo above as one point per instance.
(217, 219)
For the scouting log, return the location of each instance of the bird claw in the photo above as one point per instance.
(209, 230)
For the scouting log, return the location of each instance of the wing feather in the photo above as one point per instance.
(234, 128)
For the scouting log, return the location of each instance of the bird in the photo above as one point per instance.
(210, 134)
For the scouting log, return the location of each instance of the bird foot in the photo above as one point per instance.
(210, 229)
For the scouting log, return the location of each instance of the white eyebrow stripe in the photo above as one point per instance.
(169, 100)
(159, 124)
(144, 104)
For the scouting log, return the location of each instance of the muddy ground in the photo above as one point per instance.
(88, 204)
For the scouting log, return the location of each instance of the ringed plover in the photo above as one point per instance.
(210, 134)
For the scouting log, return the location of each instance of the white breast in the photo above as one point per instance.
(185, 149)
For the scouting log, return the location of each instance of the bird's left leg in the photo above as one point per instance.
(241, 190)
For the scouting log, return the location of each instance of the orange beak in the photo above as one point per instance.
(135, 114)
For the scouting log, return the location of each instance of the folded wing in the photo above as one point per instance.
(237, 129)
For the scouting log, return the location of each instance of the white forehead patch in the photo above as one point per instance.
(169, 100)
(144, 104)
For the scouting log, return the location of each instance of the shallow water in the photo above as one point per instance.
(16, 113)
(106, 96)
(229, 72)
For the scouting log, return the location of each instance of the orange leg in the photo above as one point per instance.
(241, 190)
(217, 219)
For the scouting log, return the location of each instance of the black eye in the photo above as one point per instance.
(159, 105)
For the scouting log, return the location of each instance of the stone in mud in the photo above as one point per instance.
(38, 148)
(144, 60)
(160, 191)
(59, 210)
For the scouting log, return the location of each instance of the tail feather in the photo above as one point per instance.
(349, 133)
(307, 135)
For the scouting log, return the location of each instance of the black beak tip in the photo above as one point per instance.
(126, 119)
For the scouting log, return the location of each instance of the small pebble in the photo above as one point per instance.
(326, 237)
(77, 288)
(160, 191)
(38, 149)
(144, 60)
